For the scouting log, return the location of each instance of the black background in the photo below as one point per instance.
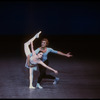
(69, 25)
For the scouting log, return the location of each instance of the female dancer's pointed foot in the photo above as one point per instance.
(37, 35)
(31, 87)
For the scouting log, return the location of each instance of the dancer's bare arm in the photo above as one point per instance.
(44, 65)
(32, 48)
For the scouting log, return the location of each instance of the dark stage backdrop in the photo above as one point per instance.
(81, 46)
(69, 26)
(51, 17)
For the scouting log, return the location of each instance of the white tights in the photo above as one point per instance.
(31, 74)
(26, 45)
(27, 52)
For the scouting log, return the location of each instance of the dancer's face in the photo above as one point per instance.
(43, 44)
(40, 55)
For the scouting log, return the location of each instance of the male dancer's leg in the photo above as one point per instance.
(43, 73)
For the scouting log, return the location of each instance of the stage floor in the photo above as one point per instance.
(79, 78)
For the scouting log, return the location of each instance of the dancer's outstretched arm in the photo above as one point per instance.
(44, 65)
(63, 54)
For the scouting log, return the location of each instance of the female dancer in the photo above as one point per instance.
(33, 60)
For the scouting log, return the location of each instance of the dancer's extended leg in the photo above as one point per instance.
(26, 45)
(36, 36)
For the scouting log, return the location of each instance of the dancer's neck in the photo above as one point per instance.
(43, 48)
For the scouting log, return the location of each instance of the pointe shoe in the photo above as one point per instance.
(31, 87)
(37, 35)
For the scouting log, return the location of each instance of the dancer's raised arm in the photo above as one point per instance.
(32, 48)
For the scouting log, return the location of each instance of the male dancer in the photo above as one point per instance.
(46, 50)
